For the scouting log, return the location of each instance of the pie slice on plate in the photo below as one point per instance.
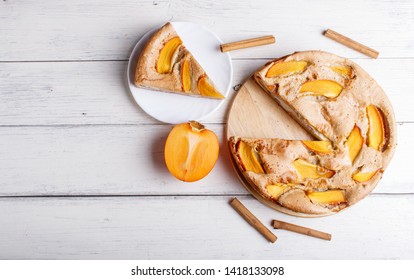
(165, 64)
(348, 113)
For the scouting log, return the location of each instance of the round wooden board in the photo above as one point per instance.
(254, 113)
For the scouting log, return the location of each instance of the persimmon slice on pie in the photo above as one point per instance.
(353, 124)
(166, 64)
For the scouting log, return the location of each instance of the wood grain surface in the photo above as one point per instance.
(81, 165)
(107, 30)
(253, 113)
(95, 92)
(164, 228)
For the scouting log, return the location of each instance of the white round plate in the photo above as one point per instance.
(175, 108)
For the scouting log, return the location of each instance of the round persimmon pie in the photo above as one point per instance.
(352, 122)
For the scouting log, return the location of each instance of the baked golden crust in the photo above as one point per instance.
(347, 173)
(329, 118)
(147, 76)
(277, 157)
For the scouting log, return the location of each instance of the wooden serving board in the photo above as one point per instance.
(254, 113)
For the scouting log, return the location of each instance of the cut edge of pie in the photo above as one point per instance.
(270, 89)
(343, 67)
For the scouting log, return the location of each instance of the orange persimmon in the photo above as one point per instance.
(191, 151)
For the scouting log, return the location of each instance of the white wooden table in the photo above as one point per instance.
(81, 165)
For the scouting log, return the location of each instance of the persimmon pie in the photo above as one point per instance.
(351, 119)
(166, 64)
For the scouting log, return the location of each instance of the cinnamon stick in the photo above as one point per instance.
(351, 43)
(252, 220)
(302, 230)
(254, 42)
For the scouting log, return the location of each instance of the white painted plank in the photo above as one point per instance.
(380, 227)
(116, 160)
(61, 30)
(96, 30)
(96, 92)
(99, 160)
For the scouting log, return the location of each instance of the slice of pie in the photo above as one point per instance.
(345, 109)
(165, 64)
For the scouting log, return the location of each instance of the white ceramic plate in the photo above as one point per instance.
(176, 108)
